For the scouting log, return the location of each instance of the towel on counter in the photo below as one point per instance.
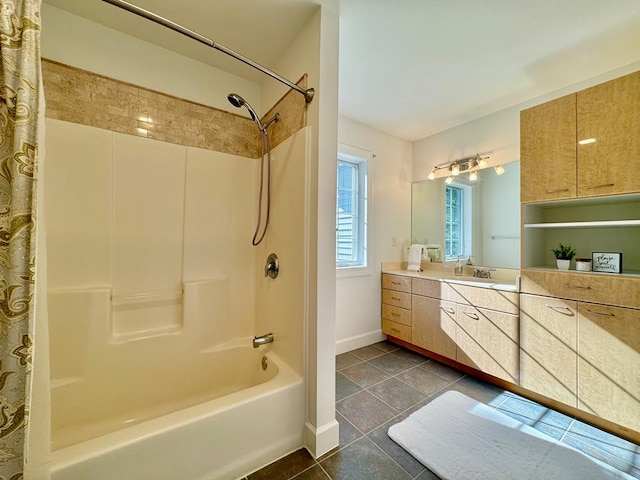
(415, 257)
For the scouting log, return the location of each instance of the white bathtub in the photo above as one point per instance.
(220, 438)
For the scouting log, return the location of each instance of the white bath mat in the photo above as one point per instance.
(458, 438)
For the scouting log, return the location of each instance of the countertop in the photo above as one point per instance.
(503, 284)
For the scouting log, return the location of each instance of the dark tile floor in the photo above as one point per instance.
(379, 385)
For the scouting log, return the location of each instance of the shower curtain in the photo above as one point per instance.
(20, 93)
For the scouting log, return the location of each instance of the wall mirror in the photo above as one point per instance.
(488, 211)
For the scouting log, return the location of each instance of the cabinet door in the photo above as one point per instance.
(433, 325)
(548, 338)
(488, 341)
(548, 150)
(608, 113)
(396, 282)
(609, 363)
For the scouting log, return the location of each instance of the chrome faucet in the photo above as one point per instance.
(483, 272)
(262, 340)
(272, 266)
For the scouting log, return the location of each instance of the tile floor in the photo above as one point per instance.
(379, 385)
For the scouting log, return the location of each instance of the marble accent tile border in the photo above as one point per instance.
(78, 96)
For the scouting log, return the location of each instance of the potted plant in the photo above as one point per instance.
(564, 254)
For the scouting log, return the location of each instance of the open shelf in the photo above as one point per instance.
(593, 224)
(599, 224)
(549, 268)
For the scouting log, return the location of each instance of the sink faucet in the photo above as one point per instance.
(483, 272)
(262, 340)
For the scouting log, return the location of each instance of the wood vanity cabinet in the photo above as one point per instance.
(609, 363)
(548, 150)
(609, 114)
(487, 340)
(396, 306)
(434, 326)
(548, 347)
(554, 165)
(475, 326)
(579, 352)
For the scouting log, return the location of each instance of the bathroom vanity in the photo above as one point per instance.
(472, 321)
(567, 339)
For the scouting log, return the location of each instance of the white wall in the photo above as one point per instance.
(315, 52)
(358, 300)
(78, 42)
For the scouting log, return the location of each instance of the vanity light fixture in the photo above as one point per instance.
(448, 180)
(460, 165)
(499, 169)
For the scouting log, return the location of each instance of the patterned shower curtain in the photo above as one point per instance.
(19, 93)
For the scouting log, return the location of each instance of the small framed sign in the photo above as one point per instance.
(606, 262)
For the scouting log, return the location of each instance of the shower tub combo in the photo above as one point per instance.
(154, 375)
(166, 384)
(224, 419)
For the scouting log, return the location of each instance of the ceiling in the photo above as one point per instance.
(409, 68)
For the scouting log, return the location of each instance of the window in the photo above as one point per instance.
(457, 221)
(351, 212)
(453, 218)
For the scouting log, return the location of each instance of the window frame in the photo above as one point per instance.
(361, 158)
(466, 221)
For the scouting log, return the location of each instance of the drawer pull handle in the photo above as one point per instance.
(448, 310)
(472, 315)
(602, 314)
(394, 314)
(560, 309)
(580, 287)
(556, 191)
(396, 283)
(602, 185)
(396, 299)
(395, 330)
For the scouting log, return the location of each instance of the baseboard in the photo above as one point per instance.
(319, 441)
(359, 341)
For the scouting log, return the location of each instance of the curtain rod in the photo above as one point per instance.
(308, 94)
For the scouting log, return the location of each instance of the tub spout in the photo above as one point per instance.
(262, 340)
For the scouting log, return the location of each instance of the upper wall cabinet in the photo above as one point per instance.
(584, 144)
(548, 150)
(609, 137)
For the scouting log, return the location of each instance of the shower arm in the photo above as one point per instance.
(308, 94)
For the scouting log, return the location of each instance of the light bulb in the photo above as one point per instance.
(482, 163)
(455, 169)
(448, 180)
(499, 169)
(473, 176)
(432, 175)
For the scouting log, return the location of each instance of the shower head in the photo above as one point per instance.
(237, 101)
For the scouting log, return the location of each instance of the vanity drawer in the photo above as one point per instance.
(396, 282)
(427, 288)
(395, 314)
(403, 332)
(604, 288)
(396, 299)
(508, 302)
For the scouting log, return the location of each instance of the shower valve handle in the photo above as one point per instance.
(272, 266)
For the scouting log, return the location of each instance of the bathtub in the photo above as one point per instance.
(209, 433)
